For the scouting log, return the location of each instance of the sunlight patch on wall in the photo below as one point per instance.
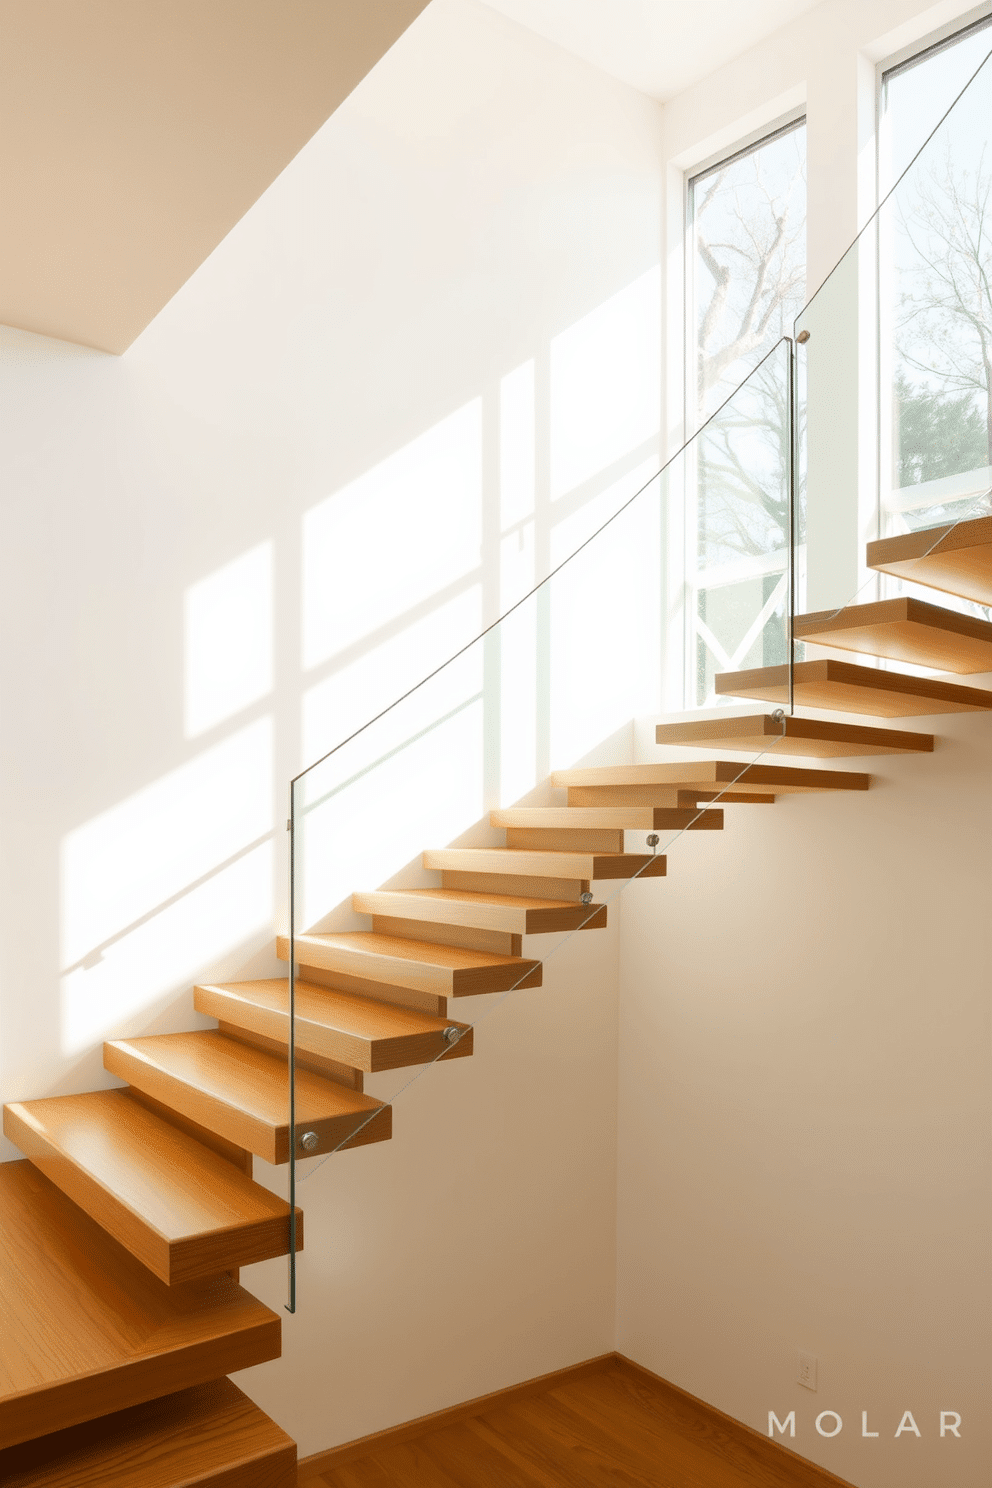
(605, 657)
(228, 620)
(138, 976)
(345, 701)
(516, 446)
(518, 632)
(130, 860)
(422, 792)
(606, 383)
(394, 538)
(519, 702)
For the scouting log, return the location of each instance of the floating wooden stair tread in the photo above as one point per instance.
(180, 1208)
(353, 1030)
(956, 559)
(820, 738)
(534, 864)
(243, 1094)
(855, 689)
(209, 1435)
(905, 629)
(513, 914)
(441, 970)
(87, 1329)
(610, 818)
(706, 776)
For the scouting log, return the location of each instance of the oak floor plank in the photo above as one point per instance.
(364, 1474)
(614, 1426)
(471, 1460)
(510, 1450)
(684, 1426)
(554, 1436)
(410, 1465)
(679, 1458)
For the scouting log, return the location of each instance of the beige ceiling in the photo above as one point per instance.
(659, 46)
(135, 133)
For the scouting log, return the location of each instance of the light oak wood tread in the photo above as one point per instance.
(956, 559)
(87, 1329)
(907, 630)
(705, 778)
(520, 863)
(209, 1436)
(820, 738)
(438, 970)
(506, 913)
(242, 1093)
(609, 818)
(354, 1031)
(855, 689)
(178, 1207)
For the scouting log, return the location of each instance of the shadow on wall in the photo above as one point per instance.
(186, 876)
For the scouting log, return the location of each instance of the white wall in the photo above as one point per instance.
(231, 545)
(805, 1113)
(804, 1078)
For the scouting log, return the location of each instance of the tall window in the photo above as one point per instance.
(746, 285)
(936, 284)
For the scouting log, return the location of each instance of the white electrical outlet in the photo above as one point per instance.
(807, 1370)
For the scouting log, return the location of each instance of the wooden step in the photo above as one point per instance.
(243, 1094)
(905, 629)
(352, 1030)
(571, 866)
(424, 921)
(210, 1436)
(640, 784)
(692, 800)
(515, 885)
(87, 1329)
(855, 689)
(495, 942)
(564, 840)
(180, 1208)
(509, 913)
(609, 818)
(819, 738)
(437, 970)
(956, 559)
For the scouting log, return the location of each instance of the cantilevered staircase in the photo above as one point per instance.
(124, 1227)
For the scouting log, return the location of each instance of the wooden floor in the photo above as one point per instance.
(614, 1427)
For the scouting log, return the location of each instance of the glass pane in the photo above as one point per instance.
(433, 855)
(936, 289)
(747, 264)
(739, 573)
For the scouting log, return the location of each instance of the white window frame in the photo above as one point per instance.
(892, 502)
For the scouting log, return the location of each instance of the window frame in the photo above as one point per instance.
(785, 123)
(905, 60)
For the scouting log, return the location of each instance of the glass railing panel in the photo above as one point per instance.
(739, 473)
(403, 805)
